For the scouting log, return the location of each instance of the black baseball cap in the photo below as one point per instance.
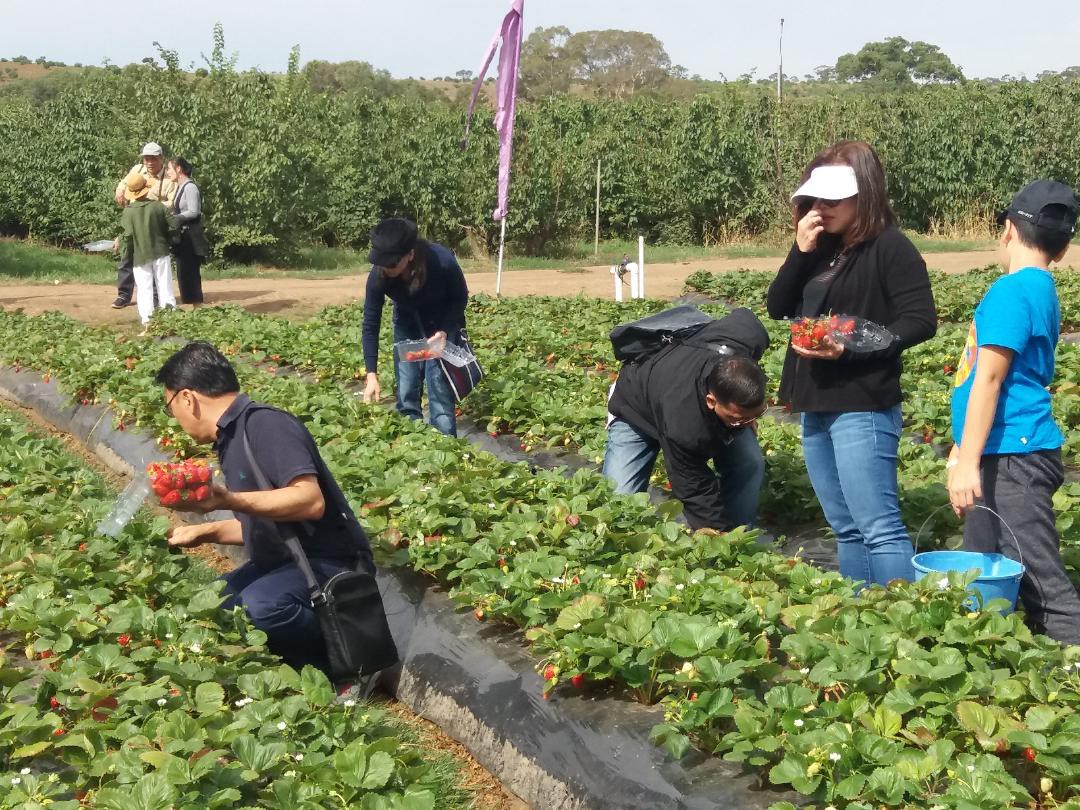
(390, 240)
(1046, 204)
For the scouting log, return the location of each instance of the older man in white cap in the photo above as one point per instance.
(162, 189)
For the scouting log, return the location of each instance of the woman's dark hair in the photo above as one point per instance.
(873, 214)
(1045, 240)
(415, 275)
(201, 368)
(182, 164)
(737, 380)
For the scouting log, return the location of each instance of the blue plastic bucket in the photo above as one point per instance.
(998, 576)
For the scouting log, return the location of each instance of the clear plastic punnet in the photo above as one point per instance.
(416, 351)
(100, 246)
(855, 334)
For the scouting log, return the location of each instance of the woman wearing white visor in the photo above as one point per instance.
(849, 258)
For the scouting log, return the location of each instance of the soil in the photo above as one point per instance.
(301, 298)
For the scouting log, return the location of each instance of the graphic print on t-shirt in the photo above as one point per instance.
(967, 358)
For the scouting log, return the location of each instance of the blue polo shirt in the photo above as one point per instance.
(285, 450)
(1019, 312)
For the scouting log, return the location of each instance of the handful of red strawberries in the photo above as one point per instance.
(180, 481)
(814, 333)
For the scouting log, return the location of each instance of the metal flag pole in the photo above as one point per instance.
(502, 244)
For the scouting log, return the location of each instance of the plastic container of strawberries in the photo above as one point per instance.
(417, 351)
(855, 334)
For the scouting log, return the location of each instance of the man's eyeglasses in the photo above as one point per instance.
(166, 406)
(748, 420)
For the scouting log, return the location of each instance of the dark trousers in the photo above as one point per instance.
(279, 604)
(1021, 489)
(188, 273)
(125, 279)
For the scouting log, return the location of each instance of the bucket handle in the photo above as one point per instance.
(918, 535)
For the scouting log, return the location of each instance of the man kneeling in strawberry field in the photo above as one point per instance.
(203, 394)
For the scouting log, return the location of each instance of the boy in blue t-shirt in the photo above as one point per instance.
(1007, 455)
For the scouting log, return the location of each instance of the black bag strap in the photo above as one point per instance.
(287, 534)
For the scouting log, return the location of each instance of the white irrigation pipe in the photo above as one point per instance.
(641, 266)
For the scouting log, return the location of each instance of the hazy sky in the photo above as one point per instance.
(438, 37)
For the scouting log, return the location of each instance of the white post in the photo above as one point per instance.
(618, 284)
(635, 281)
(596, 242)
(641, 265)
(502, 243)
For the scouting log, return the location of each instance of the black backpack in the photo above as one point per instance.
(637, 341)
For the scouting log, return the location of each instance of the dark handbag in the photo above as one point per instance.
(348, 604)
(462, 379)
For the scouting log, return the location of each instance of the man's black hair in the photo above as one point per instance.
(1047, 241)
(182, 164)
(738, 380)
(201, 368)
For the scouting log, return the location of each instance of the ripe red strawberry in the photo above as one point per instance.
(202, 493)
(578, 681)
(693, 696)
(170, 498)
(174, 692)
(82, 546)
(1030, 754)
(58, 732)
(123, 640)
(161, 488)
(549, 672)
(479, 614)
(46, 654)
(640, 583)
(572, 520)
(157, 642)
(54, 703)
(576, 580)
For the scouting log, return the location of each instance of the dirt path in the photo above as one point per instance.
(299, 298)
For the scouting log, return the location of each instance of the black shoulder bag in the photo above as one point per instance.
(349, 607)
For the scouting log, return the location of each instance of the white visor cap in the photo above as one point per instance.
(829, 183)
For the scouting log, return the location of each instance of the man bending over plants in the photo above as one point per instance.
(698, 401)
(203, 394)
(1007, 456)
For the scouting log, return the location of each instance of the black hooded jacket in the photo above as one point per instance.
(664, 398)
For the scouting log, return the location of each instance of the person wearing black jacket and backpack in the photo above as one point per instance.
(697, 400)
(849, 258)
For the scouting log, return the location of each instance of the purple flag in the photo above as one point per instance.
(505, 93)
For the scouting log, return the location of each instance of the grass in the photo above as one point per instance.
(24, 262)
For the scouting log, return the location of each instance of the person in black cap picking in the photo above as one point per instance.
(428, 289)
(1007, 455)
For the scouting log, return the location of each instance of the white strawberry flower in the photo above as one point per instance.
(348, 705)
(282, 726)
(168, 635)
(679, 587)
(15, 780)
(161, 701)
(297, 757)
(290, 774)
(943, 583)
(513, 542)
(805, 671)
(835, 757)
(971, 768)
(798, 723)
(558, 580)
(196, 648)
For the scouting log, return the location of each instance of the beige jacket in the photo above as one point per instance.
(161, 189)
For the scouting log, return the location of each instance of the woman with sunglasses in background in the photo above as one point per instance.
(849, 258)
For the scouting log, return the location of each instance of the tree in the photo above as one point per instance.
(620, 64)
(464, 75)
(895, 62)
(545, 68)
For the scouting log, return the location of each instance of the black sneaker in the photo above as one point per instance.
(120, 303)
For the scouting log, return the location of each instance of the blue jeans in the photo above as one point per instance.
(410, 388)
(852, 460)
(631, 455)
(278, 603)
